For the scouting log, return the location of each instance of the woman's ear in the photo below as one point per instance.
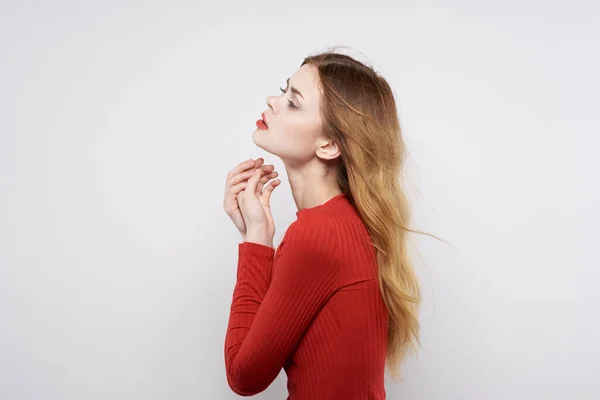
(328, 149)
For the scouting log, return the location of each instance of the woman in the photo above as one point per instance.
(339, 298)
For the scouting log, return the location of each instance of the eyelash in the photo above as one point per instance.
(291, 104)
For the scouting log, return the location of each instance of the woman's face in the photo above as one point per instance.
(293, 118)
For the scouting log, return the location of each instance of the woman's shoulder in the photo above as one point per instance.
(310, 230)
(323, 231)
(340, 242)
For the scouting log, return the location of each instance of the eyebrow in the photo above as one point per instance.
(294, 90)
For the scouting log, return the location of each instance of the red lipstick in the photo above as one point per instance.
(262, 123)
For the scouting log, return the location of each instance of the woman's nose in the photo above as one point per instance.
(271, 102)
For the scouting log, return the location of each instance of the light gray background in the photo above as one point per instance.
(120, 120)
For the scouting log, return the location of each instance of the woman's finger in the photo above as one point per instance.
(243, 177)
(235, 189)
(253, 181)
(246, 165)
(264, 179)
(266, 194)
(243, 166)
(232, 196)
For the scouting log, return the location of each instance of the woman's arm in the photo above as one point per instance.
(274, 302)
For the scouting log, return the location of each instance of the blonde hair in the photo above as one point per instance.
(359, 112)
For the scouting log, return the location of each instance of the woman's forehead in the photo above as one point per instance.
(306, 80)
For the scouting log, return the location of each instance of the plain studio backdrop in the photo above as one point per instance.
(119, 122)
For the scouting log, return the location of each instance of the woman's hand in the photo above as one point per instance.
(254, 203)
(236, 182)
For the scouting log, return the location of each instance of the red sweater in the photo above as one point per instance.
(313, 308)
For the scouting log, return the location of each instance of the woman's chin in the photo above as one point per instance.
(260, 141)
(256, 136)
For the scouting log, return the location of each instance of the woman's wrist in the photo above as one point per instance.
(258, 235)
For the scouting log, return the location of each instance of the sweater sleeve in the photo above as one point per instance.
(274, 301)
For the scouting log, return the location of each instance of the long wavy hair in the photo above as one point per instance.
(358, 111)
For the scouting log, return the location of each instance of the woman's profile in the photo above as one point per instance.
(337, 302)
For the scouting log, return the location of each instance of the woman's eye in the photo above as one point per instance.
(290, 103)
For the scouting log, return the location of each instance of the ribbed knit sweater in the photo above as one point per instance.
(313, 308)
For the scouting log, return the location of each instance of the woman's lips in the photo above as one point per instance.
(260, 124)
